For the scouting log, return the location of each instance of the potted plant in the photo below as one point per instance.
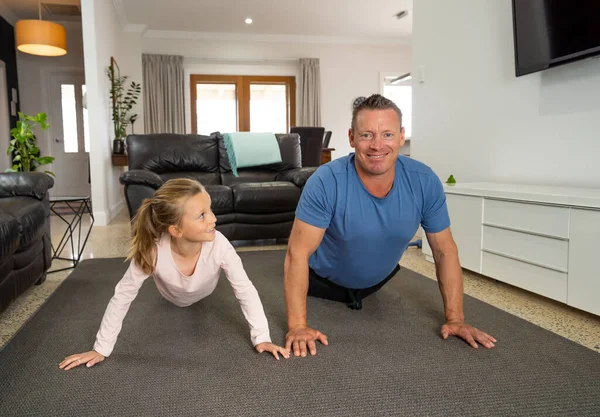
(26, 154)
(123, 99)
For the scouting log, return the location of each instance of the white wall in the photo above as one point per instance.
(104, 38)
(473, 118)
(31, 80)
(347, 71)
(5, 160)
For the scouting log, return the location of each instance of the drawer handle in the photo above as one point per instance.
(516, 258)
(529, 232)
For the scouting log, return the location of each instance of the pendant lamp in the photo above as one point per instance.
(41, 37)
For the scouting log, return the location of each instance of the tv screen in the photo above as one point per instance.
(549, 33)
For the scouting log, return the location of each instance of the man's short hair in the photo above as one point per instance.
(376, 102)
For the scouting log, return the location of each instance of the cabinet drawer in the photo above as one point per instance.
(584, 279)
(536, 218)
(465, 216)
(543, 251)
(543, 281)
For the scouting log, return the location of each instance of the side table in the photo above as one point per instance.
(78, 206)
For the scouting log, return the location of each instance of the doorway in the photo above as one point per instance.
(68, 133)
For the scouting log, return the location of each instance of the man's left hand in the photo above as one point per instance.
(470, 334)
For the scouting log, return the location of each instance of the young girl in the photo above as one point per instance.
(175, 242)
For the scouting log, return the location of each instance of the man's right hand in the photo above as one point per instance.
(299, 338)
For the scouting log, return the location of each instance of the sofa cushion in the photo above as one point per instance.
(265, 197)
(289, 147)
(226, 218)
(25, 184)
(9, 236)
(251, 149)
(221, 198)
(246, 175)
(265, 218)
(298, 176)
(202, 177)
(162, 153)
(30, 214)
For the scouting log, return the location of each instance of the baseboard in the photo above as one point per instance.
(100, 218)
(116, 209)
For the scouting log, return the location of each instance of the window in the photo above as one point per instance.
(216, 108)
(399, 90)
(268, 108)
(86, 127)
(242, 103)
(69, 118)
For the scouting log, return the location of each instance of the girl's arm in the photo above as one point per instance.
(246, 294)
(125, 292)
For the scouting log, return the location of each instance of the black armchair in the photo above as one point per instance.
(311, 144)
(25, 246)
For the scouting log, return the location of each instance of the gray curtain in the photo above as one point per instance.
(310, 92)
(164, 99)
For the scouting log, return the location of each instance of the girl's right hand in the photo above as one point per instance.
(90, 358)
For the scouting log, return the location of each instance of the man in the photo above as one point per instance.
(354, 220)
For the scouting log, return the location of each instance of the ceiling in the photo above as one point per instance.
(321, 18)
(345, 18)
(28, 9)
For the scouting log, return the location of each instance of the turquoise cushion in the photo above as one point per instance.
(247, 149)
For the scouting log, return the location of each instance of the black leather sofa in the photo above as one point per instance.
(258, 204)
(25, 246)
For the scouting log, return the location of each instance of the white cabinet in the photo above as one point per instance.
(584, 273)
(541, 239)
(542, 251)
(543, 281)
(528, 217)
(465, 222)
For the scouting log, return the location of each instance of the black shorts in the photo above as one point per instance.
(323, 288)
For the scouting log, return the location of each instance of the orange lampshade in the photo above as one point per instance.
(41, 37)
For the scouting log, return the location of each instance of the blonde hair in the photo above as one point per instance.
(156, 214)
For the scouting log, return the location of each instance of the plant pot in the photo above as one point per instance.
(118, 146)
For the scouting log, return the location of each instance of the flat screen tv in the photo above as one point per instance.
(549, 33)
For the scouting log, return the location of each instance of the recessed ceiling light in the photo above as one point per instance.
(248, 21)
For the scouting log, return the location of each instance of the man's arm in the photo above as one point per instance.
(449, 273)
(450, 281)
(304, 240)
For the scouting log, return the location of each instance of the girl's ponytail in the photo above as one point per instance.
(144, 237)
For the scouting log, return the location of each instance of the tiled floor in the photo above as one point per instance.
(112, 241)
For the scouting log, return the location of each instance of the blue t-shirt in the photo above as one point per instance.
(365, 235)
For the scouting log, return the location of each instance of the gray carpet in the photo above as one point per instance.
(385, 360)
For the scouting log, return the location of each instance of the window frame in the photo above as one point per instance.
(242, 83)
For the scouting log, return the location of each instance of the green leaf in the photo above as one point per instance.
(17, 158)
(50, 173)
(45, 160)
(451, 180)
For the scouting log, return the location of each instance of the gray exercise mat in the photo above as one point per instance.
(385, 360)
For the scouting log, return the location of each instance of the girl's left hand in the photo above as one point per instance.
(274, 349)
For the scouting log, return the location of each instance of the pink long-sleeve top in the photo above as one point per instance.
(184, 290)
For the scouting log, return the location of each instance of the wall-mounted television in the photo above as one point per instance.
(549, 33)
